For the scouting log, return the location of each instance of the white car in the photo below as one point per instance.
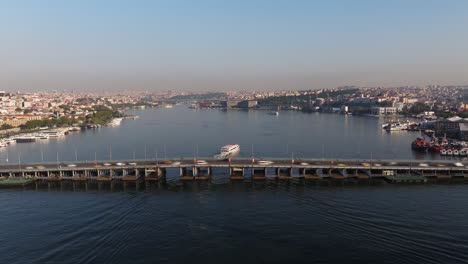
(377, 164)
(106, 164)
(423, 165)
(458, 164)
(29, 168)
(176, 163)
(132, 163)
(71, 165)
(304, 163)
(265, 162)
(201, 162)
(120, 164)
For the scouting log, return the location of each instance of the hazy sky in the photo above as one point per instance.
(227, 45)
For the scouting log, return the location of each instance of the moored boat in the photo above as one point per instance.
(396, 127)
(14, 182)
(25, 139)
(463, 152)
(419, 145)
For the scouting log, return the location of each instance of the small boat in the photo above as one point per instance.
(443, 152)
(276, 113)
(449, 152)
(429, 132)
(462, 153)
(419, 145)
(455, 152)
(9, 141)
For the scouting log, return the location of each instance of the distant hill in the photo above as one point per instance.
(205, 96)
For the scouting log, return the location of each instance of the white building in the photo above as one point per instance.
(384, 110)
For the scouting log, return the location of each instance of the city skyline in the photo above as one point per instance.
(241, 45)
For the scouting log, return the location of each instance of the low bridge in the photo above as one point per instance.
(238, 169)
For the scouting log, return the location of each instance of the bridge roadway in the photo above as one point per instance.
(201, 168)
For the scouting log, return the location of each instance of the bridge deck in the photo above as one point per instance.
(201, 169)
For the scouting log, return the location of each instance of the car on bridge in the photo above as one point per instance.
(265, 162)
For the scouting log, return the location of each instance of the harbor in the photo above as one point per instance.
(46, 133)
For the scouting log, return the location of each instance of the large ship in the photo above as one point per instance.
(228, 151)
(419, 145)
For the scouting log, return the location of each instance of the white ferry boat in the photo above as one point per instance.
(396, 127)
(53, 133)
(41, 136)
(228, 151)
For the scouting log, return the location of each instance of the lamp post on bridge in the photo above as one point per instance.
(19, 161)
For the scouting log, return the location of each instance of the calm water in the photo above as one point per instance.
(182, 132)
(222, 222)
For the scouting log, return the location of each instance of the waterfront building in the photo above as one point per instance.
(384, 110)
(247, 104)
(463, 131)
(451, 127)
(229, 103)
(18, 120)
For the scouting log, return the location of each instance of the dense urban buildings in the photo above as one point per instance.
(17, 108)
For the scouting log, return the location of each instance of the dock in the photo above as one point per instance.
(239, 169)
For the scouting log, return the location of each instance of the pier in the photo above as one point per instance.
(238, 170)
